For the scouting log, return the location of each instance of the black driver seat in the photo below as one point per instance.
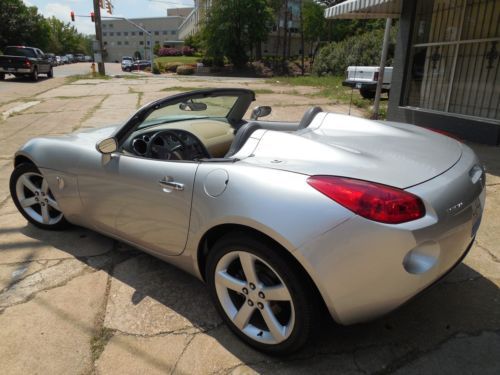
(241, 137)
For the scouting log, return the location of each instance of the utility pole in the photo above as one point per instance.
(98, 36)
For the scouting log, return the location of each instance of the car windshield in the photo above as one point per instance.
(19, 51)
(211, 107)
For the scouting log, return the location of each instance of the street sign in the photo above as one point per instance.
(95, 45)
(97, 58)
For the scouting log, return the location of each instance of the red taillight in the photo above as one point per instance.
(444, 132)
(27, 63)
(373, 201)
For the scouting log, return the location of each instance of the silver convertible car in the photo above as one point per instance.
(280, 219)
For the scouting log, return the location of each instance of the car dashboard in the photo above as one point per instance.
(188, 140)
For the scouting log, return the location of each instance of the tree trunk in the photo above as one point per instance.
(285, 26)
(278, 40)
(302, 43)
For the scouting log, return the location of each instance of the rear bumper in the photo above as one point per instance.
(370, 85)
(15, 70)
(365, 269)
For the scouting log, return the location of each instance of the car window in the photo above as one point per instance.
(19, 51)
(210, 107)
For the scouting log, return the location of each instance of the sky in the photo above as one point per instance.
(122, 8)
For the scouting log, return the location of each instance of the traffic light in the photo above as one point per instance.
(92, 18)
(72, 14)
(109, 6)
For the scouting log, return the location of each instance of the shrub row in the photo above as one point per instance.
(184, 51)
(359, 50)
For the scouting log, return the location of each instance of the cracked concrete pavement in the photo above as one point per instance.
(76, 302)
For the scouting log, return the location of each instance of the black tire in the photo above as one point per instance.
(18, 172)
(367, 94)
(305, 301)
(34, 75)
(2, 76)
(50, 73)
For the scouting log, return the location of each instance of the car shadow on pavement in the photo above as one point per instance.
(25, 79)
(149, 297)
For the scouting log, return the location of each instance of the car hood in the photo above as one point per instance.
(97, 134)
(395, 154)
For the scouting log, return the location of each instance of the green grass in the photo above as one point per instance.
(78, 77)
(263, 91)
(181, 88)
(99, 341)
(331, 87)
(177, 59)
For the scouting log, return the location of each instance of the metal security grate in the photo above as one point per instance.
(455, 62)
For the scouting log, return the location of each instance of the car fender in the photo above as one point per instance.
(279, 204)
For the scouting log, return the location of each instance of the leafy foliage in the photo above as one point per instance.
(363, 49)
(23, 25)
(185, 70)
(233, 27)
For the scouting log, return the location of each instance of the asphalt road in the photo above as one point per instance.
(84, 68)
(74, 69)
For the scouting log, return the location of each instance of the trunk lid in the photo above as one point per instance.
(395, 154)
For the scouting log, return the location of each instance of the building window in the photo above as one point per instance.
(141, 43)
(126, 42)
(454, 59)
(173, 32)
(132, 33)
(165, 32)
(118, 33)
(110, 25)
(119, 43)
(104, 33)
(104, 25)
(141, 33)
(125, 33)
(111, 33)
(105, 43)
(157, 33)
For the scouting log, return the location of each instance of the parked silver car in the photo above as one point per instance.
(278, 218)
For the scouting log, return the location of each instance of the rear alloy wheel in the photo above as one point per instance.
(34, 75)
(261, 297)
(33, 198)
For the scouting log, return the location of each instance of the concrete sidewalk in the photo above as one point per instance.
(76, 302)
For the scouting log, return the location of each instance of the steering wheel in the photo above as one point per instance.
(166, 145)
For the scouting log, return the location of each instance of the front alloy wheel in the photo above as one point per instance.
(263, 298)
(33, 198)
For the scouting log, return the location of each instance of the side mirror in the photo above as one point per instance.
(261, 111)
(107, 146)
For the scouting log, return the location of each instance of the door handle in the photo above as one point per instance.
(169, 183)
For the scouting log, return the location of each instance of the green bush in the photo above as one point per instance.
(185, 70)
(156, 69)
(171, 67)
(359, 50)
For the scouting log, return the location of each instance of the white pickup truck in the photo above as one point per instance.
(365, 78)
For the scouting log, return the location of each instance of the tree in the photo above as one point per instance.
(233, 27)
(313, 25)
(21, 24)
